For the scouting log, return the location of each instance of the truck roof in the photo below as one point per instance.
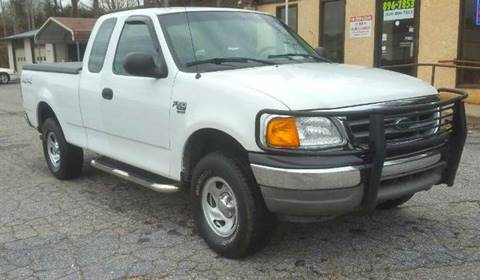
(172, 10)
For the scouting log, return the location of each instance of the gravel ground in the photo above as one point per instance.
(100, 227)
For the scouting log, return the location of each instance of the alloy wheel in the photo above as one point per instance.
(53, 149)
(220, 207)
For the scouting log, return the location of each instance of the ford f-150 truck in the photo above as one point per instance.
(237, 107)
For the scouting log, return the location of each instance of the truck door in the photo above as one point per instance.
(136, 110)
(94, 72)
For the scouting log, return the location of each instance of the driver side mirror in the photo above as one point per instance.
(320, 51)
(143, 65)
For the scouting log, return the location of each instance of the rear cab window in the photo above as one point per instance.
(100, 45)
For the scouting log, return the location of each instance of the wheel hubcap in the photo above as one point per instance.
(220, 207)
(3, 79)
(53, 149)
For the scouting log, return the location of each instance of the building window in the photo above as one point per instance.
(74, 51)
(292, 16)
(333, 29)
(18, 44)
(470, 44)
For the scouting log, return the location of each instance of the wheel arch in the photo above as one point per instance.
(44, 111)
(204, 141)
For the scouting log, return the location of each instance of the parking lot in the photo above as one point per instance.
(100, 227)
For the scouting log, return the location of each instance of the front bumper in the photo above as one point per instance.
(339, 177)
(335, 183)
(339, 190)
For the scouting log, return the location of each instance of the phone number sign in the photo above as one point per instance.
(398, 9)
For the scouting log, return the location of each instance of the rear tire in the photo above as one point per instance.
(228, 206)
(64, 160)
(4, 78)
(389, 204)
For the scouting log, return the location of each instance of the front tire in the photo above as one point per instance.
(228, 207)
(64, 160)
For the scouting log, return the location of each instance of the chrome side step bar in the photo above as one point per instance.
(136, 175)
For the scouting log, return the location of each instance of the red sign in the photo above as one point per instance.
(361, 26)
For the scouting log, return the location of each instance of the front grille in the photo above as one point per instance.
(405, 127)
(390, 131)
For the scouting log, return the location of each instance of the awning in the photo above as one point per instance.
(22, 35)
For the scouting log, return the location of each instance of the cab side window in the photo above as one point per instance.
(136, 37)
(100, 45)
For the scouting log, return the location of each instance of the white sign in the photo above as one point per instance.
(361, 26)
(398, 14)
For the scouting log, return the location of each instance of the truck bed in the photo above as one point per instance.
(57, 86)
(64, 67)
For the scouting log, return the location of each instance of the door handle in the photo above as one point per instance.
(107, 93)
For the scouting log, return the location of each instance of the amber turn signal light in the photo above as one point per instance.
(282, 133)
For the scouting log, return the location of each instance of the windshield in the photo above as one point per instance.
(226, 40)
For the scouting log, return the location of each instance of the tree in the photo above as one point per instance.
(55, 7)
(4, 21)
(115, 5)
(74, 8)
(96, 8)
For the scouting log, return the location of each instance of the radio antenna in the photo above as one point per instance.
(191, 40)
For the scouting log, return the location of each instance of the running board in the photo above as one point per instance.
(135, 175)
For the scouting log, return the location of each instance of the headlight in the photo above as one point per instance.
(303, 133)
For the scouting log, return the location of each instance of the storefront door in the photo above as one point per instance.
(397, 34)
(469, 47)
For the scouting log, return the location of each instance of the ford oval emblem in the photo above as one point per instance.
(402, 123)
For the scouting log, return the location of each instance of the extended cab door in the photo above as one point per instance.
(135, 110)
(94, 72)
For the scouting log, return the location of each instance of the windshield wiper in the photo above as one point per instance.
(289, 55)
(221, 60)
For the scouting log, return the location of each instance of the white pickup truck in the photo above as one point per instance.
(235, 106)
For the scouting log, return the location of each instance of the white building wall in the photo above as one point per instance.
(28, 51)
(40, 53)
(61, 51)
(21, 59)
(49, 53)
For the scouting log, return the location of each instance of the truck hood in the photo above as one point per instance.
(326, 85)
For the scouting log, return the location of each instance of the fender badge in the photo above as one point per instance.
(181, 106)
